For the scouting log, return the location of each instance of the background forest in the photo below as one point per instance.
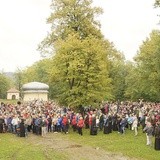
(82, 67)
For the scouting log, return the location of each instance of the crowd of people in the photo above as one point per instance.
(40, 117)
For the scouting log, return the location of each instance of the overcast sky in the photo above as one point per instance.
(23, 26)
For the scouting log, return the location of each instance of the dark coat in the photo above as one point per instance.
(1, 125)
(22, 129)
(93, 129)
(157, 138)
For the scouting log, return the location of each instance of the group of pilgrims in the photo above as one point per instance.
(40, 117)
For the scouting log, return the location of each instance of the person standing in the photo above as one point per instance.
(135, 124)
(80, 125)
(14, 122)
(34, 125)
(149, 133)
(49, 119)
(93, 129)
(22, 129)
(38, 125)
(9, 124)
(86, 121)
(28, 123)
(1, 123)
(44, 126)
(74, 123)
(101, 121)
(114, 122)
(157, 136)
(59, 123)
(64, 123)
(142, 121)
(54, 123)
(119, 118)
(106, 125)
(123, 125)
(130, 121)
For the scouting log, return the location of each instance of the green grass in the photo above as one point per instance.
(128, 144)
(16, 148)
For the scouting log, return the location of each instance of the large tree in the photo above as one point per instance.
(37, 72)
(69, 17)
(133, 82)
(117, 73)
(4, 85)
(79, 72)
(19, 79)
(157, 3)
(144, 80)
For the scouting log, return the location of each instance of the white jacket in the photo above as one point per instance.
(15, 121)
(135, 122)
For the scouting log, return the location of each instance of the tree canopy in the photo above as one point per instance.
(84, 68)
(157, 3)
(144, 78)
(80, 56)
(5, 84)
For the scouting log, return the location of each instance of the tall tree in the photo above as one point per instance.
(157, 3)
(118, 74)
(133, 84)
(145, 78)
(19, 79)
(69, 17)
(80, 62)
(81, 69)
(38, 71)
(4, 85)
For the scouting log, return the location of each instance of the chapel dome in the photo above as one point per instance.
(35, 86)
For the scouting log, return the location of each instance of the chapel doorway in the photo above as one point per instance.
(13, 97)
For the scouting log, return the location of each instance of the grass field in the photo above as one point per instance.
(55, 146)
(127, 144)
(16, 148)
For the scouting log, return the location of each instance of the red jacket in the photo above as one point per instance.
(74, 121)
(80, 123)
(64, 121)
(90, 120)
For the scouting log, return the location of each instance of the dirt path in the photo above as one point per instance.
(61, 143)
